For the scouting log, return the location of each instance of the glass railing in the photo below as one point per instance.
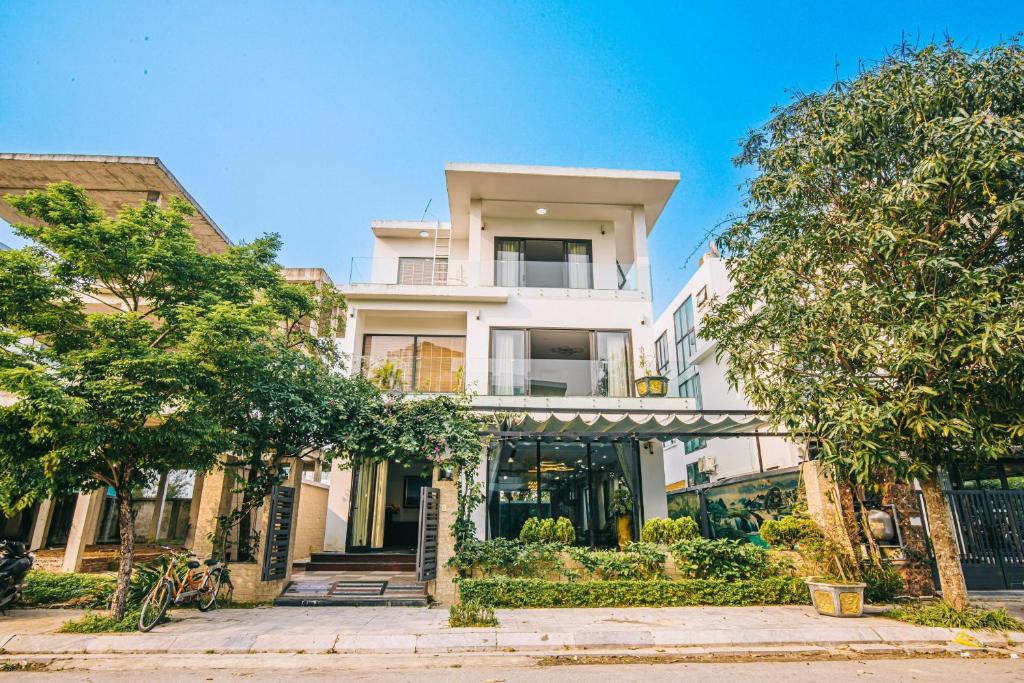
(428, 271)
(498, 377)
(421, 375)
(558, 377)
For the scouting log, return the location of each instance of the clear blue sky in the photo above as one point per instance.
(313, 120)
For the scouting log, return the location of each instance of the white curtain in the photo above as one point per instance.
(503, 371)
(616, 362)
(577, 265)
(508, 264)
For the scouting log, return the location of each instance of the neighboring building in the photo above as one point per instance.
(689, 361)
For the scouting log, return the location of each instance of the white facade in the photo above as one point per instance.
(689, 361)
(537, 294)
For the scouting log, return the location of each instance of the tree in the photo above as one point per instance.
(879, 292)
(98, 323)
(278, 390)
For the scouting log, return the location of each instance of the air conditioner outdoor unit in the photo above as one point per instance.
(706, 464)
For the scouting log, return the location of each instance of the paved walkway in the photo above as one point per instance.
(416, 630)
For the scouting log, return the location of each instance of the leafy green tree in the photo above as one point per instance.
(879, 292)
(98, 323)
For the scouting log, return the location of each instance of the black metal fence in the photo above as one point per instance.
(988, 527)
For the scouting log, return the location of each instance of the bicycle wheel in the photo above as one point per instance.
(208, 593)
(155, 605)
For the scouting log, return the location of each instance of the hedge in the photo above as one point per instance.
(518, 593)
(44, 589)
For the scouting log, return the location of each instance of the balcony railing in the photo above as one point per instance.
(505, 377)
(428, 271)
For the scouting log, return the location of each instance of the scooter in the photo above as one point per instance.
(15, 561)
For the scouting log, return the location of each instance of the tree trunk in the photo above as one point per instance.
(947, 555)
(126, 522)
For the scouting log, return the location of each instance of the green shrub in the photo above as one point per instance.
(943, 614)
(668, 531)
(883, 584)
(93, 622)
(787, 532)
(637, 561)
(548, 530)
(507, 557)
(524, 593)
(471, 614)
(565, 532)
(725, 559)
(48, 589)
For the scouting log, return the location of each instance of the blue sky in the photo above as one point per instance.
(312, 119)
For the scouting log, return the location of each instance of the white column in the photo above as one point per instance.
(158, 508)
(84, 527)
(641, 260)
(338, 505)
(41, 525)
(652, 479)
(479, 515)
(475, 224)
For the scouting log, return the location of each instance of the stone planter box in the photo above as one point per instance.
(837, 599)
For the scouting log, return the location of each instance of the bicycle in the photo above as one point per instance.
(200, 583)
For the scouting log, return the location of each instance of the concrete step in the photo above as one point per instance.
(328, 601)
(360, 567)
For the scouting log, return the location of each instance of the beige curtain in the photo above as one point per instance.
(379, 504)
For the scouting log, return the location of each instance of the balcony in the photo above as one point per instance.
(425, 271)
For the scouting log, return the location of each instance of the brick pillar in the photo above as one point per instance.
(443, 589)
(41, 524)
(915, 569)
(84, 527)
(215, 501)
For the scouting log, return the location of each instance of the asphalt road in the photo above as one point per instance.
(506, 668)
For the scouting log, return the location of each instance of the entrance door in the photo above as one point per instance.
(988, 528)
(367, 514)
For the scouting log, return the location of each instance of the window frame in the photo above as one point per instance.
(415, 355)
(661, 359)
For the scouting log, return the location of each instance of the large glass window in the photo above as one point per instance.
(661, 354)
(686, 334)
(575, 480)
(542, 263)
(422, 364)
(551, 362)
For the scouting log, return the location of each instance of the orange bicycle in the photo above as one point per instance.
(200, 582)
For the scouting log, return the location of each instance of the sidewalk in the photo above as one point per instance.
(398, 630)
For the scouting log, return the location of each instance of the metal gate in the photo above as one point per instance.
(988, 529)
(279, 533)
(426, 547)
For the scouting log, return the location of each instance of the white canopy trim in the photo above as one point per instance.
(649, 425)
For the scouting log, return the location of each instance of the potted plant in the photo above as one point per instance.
(622, 507)
(835, 596)
(650, 384)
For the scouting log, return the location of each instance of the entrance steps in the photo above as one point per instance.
(362, 562)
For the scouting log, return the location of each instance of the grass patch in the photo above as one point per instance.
(467, 614)
(942, 614)
(58, 589)
(94, 622)
(524, 593)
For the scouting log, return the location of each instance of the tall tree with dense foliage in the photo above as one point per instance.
(879, 271)
(99, 319)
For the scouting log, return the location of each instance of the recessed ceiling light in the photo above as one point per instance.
(424, 233)
(541, 211)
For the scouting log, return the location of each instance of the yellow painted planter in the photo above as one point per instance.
(837, 599)
(624, 527)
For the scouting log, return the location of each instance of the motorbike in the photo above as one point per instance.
(15, 561)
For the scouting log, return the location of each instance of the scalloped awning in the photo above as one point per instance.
(605, 425)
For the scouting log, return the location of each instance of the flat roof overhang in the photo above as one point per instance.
(111, 181)
(557, 184)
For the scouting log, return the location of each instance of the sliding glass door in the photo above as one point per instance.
(422, 364)
(543, 263)
(559, 362)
